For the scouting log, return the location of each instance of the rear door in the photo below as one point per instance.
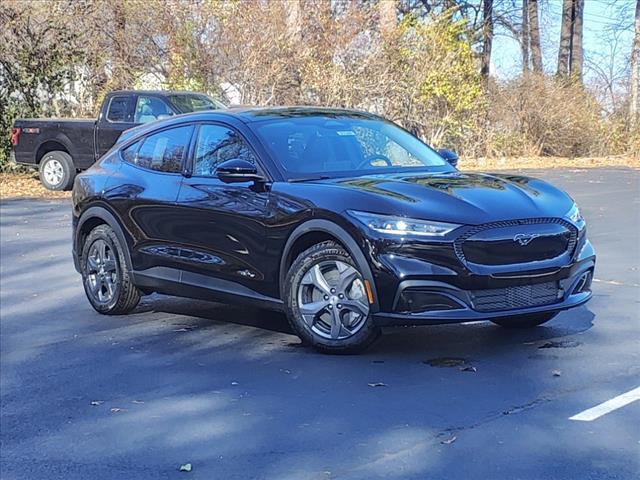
(223, 225)
(115, 118)
(145, 190)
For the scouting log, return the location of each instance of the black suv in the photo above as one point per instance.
(340, 218)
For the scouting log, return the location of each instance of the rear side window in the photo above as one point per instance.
(120, 109)
(164, 151)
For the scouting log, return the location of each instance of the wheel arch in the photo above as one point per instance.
(315, 231)
(51, 146)
(90, 219)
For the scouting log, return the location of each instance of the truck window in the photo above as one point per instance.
(120, 109)
(150, 108)
(164, 151)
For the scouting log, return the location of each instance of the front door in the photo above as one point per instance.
(223, 225)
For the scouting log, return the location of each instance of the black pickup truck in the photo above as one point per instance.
(60, 148)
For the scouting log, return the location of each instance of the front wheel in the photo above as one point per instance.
(326, 301)
(524, 321)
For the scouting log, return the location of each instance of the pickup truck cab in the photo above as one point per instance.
(60, 148)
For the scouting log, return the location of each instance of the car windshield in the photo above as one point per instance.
(191, 102)
(340, 145)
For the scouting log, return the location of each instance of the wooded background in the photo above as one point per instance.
(423, 63)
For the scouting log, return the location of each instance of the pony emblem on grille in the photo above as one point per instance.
(525, 238)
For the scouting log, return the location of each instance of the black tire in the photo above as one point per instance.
(65, 171)
(524, 321)
(366, 334)
(125, 295)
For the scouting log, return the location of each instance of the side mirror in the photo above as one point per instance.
(237, 170)
(449, 155)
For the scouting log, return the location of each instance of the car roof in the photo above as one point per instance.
(253, 114)
(156, 92)
(247, 115)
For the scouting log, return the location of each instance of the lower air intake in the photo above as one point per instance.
(509, 298)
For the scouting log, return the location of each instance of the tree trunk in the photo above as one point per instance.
(564, 52)
(524, 39)
(294, 18)
(634, 108)
(577, 52)
(388, 16)
(534, 36)
(487, 42)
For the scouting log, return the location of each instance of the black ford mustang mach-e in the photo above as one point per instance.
(340, 218)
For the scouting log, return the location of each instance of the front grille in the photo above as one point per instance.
(506, 242)
(508, 298)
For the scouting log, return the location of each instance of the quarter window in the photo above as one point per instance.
(164, 151)
(119, 110)
(217, 144)
(129, 153)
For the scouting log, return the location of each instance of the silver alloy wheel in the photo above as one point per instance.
(101, 272)
(53, 172)
(332, 300)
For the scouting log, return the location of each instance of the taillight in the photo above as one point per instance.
(15, 136)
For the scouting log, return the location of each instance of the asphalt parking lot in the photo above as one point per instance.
(92, 397)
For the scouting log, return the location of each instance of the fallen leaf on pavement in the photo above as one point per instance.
(186, 467)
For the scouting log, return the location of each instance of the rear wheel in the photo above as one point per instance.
(326, 301)
(104, 274)
(524, 321)
(57, 171)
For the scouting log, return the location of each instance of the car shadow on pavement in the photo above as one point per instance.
(472, 335)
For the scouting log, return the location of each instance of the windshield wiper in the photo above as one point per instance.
(309, 179)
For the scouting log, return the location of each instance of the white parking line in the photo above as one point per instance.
(608, 406)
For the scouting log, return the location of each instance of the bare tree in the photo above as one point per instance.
(634, 110)
(487, 37)
(524, 38)
(570, 53)
(534, 36)
(388, 15)
(294, 17)
(577, 51)
(564, 51)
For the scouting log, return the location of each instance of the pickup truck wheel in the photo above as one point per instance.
(105, 277)
(57, 171)
(326, 301)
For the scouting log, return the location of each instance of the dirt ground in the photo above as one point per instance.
(27, 185)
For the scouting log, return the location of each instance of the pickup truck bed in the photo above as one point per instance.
(42, 135)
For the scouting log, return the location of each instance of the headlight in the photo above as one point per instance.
(402, 226)
(574, 215)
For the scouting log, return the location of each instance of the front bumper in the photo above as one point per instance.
(466, 293)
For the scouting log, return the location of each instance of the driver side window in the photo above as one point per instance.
(217, 144)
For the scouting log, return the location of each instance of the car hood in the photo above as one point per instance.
(465, 198)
